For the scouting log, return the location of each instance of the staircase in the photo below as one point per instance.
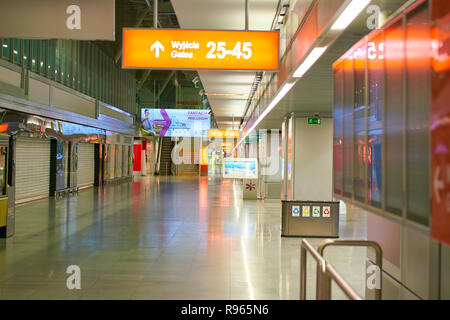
(165, 168)
(188, 170)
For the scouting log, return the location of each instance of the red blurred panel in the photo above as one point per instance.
(440, 125)
(137, 157)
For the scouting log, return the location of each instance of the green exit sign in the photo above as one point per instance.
(314, 120)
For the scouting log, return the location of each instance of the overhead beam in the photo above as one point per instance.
(163, 87)
(143, 79)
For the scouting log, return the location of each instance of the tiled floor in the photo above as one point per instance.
(163, 238)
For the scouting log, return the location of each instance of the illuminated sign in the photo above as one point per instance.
(204, 156)
(314, 120)
(200, 49)
(227, 147)
(175, 122)
(216, 133)
(4, 127)
(240, 168)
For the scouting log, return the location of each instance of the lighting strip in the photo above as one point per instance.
(315, 54)
(225, 94)
(280, 95)
(349, 14)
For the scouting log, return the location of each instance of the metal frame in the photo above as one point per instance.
(324, 274)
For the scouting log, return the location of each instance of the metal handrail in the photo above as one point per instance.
(358, 243)
(325, 273)
(158, 161)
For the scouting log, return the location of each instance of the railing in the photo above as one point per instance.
(158, 161)
(325, 273)
(359, 243)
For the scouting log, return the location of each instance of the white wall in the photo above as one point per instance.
(313, 160)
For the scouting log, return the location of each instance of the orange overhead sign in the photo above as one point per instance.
(200, 49)
(216, 133)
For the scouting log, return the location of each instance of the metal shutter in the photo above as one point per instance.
(32, 168)
(85, 174)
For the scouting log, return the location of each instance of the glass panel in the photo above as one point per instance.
(34, 56)
(77, 66)
(86, 64)
(58, 60)
(394, 51)
(93, 67)
(102, 77)
(375, 118)
(73, 164)
(43, 57)
(418, 115)
(74, 71)
(348, 127)
(359, 124)
(6, 47)
(68, 63)
(61, 164)
(337, 149)
(51, 59)
(26, 53)
(63, 58)
(17, 51)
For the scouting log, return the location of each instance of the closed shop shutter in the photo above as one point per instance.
(85, 174)
(32, 168)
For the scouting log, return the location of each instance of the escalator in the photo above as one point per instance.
(164, 164)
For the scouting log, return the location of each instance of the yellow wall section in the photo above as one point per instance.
(3, 211)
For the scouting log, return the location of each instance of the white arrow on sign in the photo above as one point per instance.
(157, 46)
(438, 184)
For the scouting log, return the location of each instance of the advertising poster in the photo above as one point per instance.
(240, 168)
(175, 122)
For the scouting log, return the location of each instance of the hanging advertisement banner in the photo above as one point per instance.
(175, 122)
(200, 49)
(61, 19)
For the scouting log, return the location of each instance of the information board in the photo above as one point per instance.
(240, 168)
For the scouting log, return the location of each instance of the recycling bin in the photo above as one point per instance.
(310, 219)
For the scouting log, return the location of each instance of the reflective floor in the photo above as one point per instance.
(164, 238)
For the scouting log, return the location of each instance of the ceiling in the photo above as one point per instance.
(226, 14)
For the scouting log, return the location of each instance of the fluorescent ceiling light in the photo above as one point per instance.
(309, 61)
(349, 14)
(225, 94)
(280, 95)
